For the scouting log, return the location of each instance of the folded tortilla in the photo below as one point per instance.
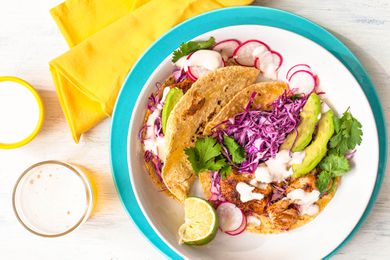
(207, 96)
(266, 93)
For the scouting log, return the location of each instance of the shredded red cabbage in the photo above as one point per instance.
(261, 132)
(215, 189)
(154, 102)
(158, 131)
(156, 161)
(277, 193)
(154, 99)
(179, 75)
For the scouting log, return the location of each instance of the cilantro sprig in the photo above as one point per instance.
(191, 46)
(348, 134)
(206, 155)
(332, 166)
(236, 151)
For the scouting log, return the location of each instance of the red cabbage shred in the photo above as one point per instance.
(154, 101)
(215, 189)
(261, 132)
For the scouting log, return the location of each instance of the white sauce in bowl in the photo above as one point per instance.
(19, 112)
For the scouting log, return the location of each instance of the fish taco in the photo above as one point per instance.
(268, 153)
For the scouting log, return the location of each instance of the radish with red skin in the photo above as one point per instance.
(278, 58)
(267, 60)
(230, 217)
(195, 72)
(243, 54)
(190, 76)
(257, 63)
(304, 81)
(227, 48)
(268, 63)
(296, 68)
(240, 229)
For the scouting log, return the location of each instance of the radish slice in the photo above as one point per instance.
(197, 71)
(245, 54)
(257, 63)
(296, 68)
(230, 217)
(240, 229)
(268, 65)
(267, 62)
(278, 59)
(227, 48)
(304, 81)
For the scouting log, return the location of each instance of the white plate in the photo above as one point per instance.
(317, 238)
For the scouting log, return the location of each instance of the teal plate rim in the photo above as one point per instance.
(191, 28)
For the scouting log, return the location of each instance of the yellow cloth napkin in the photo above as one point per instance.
(107, 37)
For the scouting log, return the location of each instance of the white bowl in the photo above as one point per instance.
(317, 238)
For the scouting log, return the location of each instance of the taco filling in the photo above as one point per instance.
(269, 153)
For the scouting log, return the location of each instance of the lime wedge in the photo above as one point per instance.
(201, 222)
(173, 96)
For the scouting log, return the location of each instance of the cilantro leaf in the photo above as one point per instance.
(208, 148)
(236, 151)
(356, 134)
(191, 46)
(332, 166)
(323, 181)
(348, 134)
(225, 171)
(193, 157)
(216, 165)
(336, 165)
(206, 156)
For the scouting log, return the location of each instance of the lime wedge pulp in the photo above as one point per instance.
(201, 222)
(173, 96)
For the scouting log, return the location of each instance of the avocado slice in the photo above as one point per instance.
(318, 148)
(173, 96)
(309, 118)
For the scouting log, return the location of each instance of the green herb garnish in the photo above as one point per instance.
(335, 164)
(236, 151)
(323, 180)
(332, 166)
(348, 134)
(191, 46)
(206, 155)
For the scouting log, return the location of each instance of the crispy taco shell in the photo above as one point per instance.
(207, 96)
(266, 93)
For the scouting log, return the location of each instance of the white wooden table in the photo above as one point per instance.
(29, 39)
